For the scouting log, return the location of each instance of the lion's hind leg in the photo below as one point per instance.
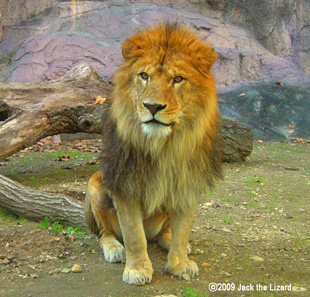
(113, 250)
(101, 219)
(164, 239)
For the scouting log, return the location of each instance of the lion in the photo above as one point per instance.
(160, 151)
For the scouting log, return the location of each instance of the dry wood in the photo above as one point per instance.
(37, 205)
(32, 111)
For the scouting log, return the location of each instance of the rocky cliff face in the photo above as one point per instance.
(16, 11)
(259, 41)
(50, 44)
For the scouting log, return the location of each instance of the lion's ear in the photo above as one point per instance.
(130, 48)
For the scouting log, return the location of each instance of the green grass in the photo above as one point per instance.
(72, 154)
(19, 218)
(257, 180)
(190, 293)
(301, 240)
(77, 231)
(7, 59)
(229, 221)
(56, 227)
(45, 224)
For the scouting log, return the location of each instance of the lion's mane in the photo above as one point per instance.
(171, 171)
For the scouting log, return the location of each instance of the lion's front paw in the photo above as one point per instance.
(138, 274)
(114, 252)
(184, 270)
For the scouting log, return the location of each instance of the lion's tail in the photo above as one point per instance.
(88, 212)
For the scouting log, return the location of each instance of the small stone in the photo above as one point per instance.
(223, 255)
(34, 275)
(76, 268)
(32, 267)
(224, 273)
(198, 252)
(6, 261)
(298, 289)
(206, 205)
(226, 230)
(257, 259)
(55, 271)
(238, 268)
(66, 270)
(186, 277)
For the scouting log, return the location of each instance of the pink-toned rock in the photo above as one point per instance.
(51, 43)
(15, 11)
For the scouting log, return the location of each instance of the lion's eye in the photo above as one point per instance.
(144, 75)
(177, 79)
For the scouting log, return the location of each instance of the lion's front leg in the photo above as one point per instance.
(178, 262)
(138, 269)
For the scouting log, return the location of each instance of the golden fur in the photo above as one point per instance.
(160, 150)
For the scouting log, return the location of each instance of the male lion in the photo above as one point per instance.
(160, 151)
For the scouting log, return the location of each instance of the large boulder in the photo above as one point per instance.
(273, 111)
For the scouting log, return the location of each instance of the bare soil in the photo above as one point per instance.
(252, 230)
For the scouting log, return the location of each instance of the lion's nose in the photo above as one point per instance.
(154, 108)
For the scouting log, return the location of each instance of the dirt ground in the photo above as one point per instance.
(251, 235)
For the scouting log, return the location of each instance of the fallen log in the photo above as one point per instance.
(32, 111)
(37, 205)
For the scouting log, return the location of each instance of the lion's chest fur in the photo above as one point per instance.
(171, 179)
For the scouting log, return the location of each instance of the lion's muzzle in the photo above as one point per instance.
(154, 108)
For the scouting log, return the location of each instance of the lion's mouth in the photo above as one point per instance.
(154, 121)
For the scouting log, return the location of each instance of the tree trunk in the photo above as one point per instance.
(36, 205)
(32, 111)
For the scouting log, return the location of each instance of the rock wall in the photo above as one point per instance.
(15, 11)
(282, 27)
(50, 44)
(1, 32)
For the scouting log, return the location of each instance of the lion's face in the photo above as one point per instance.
(165, 82)
(160, 98)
